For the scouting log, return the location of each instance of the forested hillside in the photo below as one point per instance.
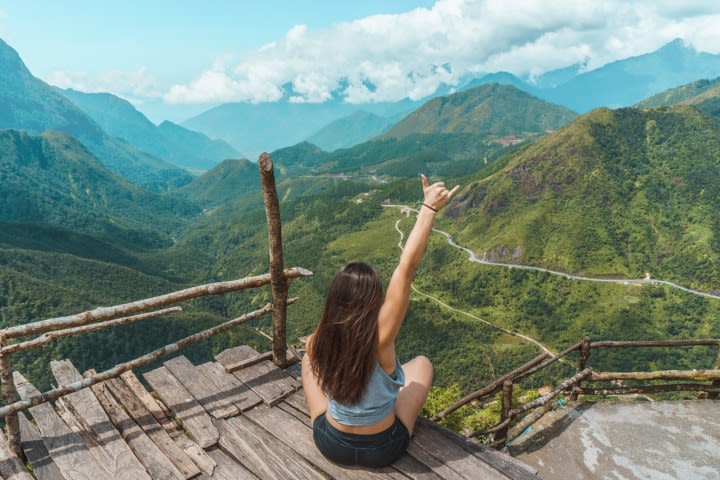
(613, 193)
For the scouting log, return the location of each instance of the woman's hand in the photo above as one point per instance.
(436, 195)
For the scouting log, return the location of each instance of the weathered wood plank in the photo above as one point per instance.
(227, 468)
(118, 459)
(145, 420)
(298, 436)
(199, 456)
(182, 403)
(11, 468)
(151, 405)
(156, 463)
(237, 392)
(36, 451)
(297, 400)
(213, 400)
(510, 466)
(448, 459)
(264, 378)
(66, 449)
(261, 453)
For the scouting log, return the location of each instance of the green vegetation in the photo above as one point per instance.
(614, 193)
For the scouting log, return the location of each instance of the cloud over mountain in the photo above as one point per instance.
(389, 57)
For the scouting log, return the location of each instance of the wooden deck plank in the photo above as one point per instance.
(147, 422)
(432, 448)
(264, 378)
(66, 449)
(117, 456)
(151, 405)
(199, 456)
(157, 464)
(36, 451)
(261, 453)
(11, 468)
(213, 400)
(227, 468)
(510, 466)
(297, 434)
(237, 392)
(297, 400)
(184, 405)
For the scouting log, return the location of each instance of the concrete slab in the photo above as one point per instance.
(640, 440)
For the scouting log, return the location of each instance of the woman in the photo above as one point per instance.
(363, 404)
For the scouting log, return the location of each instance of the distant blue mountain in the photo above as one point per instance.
(626, 82)
(187, 149)
(356, 128)
(27, 103)
(252, 128)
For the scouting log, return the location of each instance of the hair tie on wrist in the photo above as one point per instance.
(431, 208)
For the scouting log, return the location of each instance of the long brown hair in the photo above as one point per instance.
(343, 347)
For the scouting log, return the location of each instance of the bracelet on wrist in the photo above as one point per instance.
(431, 208)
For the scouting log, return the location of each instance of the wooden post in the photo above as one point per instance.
(716, 383)
(584, 355)
(12, 422)
(505, 409)
(278, 281)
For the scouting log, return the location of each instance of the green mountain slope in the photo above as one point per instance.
(28, 103)
(52, 179)
(356, 128)
(703, 94)
(490, 111)
(614, 193)
(228, 181)
(171, 142)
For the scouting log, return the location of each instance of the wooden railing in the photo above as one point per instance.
(513, 421)
(108, 317)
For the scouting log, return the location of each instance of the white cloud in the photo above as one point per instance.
(131, 85)
(389, 57)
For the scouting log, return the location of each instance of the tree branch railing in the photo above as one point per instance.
(102, 318)
(514, 421)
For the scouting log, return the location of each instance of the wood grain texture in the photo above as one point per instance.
(36, 452)
(262, 453)
(114, 453)
(236, 391)
(146, 421)
(11, 468)
(184, 405)
(227, 468)
(264, 378)
(213, 400)
(298, 436)
(156, 463)
(448, 460)
(66, 449)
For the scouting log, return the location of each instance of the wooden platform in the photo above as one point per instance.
(201, 422)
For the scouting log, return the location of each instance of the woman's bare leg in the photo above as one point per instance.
(418, 379)
(316, 399)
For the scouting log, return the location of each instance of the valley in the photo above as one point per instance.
(568, 220)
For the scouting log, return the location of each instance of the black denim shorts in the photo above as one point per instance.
(374, 450)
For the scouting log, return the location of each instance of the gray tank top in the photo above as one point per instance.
(377, 401)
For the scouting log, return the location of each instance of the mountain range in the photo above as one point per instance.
(252, 128)
(29, 104)
(609, 193)
(185, 148)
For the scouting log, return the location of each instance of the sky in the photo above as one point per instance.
(174, 59)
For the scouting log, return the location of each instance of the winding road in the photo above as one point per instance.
(639, 281)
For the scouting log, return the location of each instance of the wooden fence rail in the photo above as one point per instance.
(513, 421)
(108, 317)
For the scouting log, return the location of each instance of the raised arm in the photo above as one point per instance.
(392, 312)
